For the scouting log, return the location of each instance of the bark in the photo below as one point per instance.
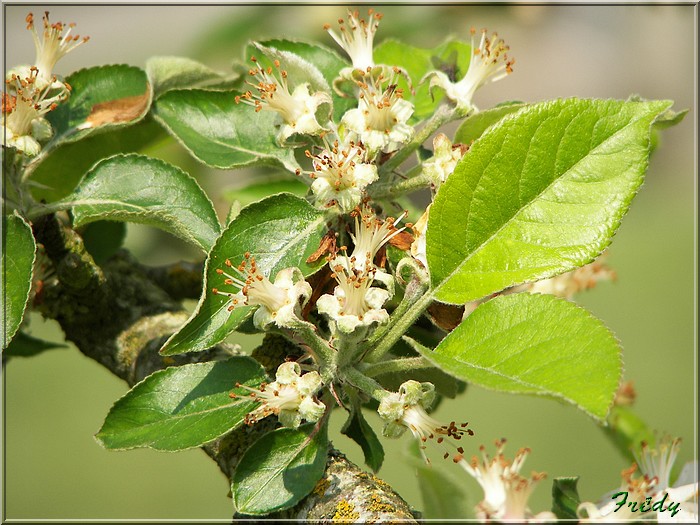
(120, 315)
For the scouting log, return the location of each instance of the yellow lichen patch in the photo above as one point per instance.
(377, 505)
(345, 512)
(321, 486)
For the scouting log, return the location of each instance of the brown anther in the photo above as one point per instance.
(458, 458)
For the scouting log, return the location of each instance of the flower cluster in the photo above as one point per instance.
(506, 492)
(279, 302)
(290, 397)
(355, 302)
(297, 109)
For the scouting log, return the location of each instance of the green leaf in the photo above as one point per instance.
(104, 96)
(171, 72)
(15, 274)
(280, 232)
(221, 133)
(141, 189)
(182, 407)
(279, 469)
(540, 193)
(103, 238)
(357, 429)
(565, 498)
(535, 344)
(442, 497)
(59, 173)
(264, 188)
(328, 62)
(24, 345)
(475, 125)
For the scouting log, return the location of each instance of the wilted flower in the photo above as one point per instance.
(341, 174)
(506, 492)
(380, 120)
(370, 235)
(290, 397)
(296, 109)
(489, 63)
(445, 157)
(406, 409)
(23, 113)
(279, 301)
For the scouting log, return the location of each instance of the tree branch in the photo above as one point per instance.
(119, 316)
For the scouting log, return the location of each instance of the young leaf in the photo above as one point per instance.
(565, 498)
(535, 344)
(627, 431)
(357, 429)
(114, 95)
(221, 133)
(103, 238)
(141, 189)
(182, 407)
(280, 231)
(15, 274)
(24, 345)
(168, 72)
(279, 469)
(475, 125)
(540, 193)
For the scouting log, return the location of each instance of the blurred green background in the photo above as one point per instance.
(54, 403)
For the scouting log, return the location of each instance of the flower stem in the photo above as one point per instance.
(396, 365)
(396, 189)
(306, 334)
(360, 381)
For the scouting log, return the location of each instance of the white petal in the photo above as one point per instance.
(309, 383)
(288, 373)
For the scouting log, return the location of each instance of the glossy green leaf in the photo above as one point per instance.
(172, 72)
(59, 173)
(23, 345)
(280, 231)
(182, 407)
(264, 188)
(279, 469)
(104, 96)
(141, 189)
(565, 498)
(328, 62)
(221, 133)
(359, 430)
(15, 274)
(535, 344)
(540, 193)
(475, 125)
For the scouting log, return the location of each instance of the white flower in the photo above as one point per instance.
(355, 302)
(649, 496)
(418, 246)
(279, 301)
(445, 158)
(341, 174)
(356, 37)
(296, 109)
(489, 63)
(405, 409)
(370, 235)
(51, 45)
(23, 113)
(379, 121)
(290, 397)
(506, 492)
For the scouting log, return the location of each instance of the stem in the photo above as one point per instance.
(45, 209)
(327, 357)
(396, 189)
(398, 325)
(442, 116)
(397, 365)
(368, 385)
